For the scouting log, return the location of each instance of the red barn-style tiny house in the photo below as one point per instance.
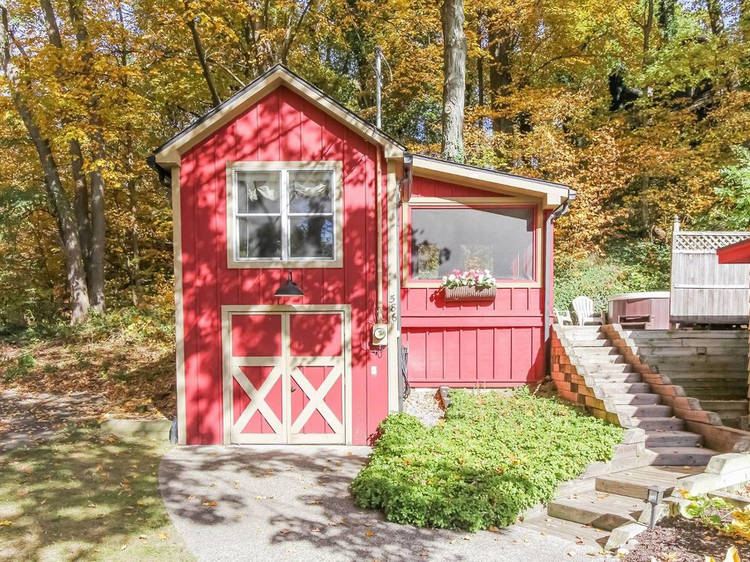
(309, 248)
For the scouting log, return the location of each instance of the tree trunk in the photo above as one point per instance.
(647, 27)
(76, 275)
(135, 266)
(454, 79)
(191, 23)
(81, 202)
(98, 240)
(665, 11)
(500, 44)
(715, 16)
(98, 227)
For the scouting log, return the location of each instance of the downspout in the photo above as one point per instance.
(402, 197)
(553, 216)
(379, 231)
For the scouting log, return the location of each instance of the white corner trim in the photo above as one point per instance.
(394, 290)
(179, 313)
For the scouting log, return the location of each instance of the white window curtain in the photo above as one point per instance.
(310, 190)
(264, 190)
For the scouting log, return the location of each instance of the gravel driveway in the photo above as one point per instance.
(292, 503)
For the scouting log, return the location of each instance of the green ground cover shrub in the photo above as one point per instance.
(489, 460)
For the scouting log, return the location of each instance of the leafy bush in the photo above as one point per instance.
(129, 325)
(732, 208)
(718, 514)
(19, 368)
(627, 268)
(489, 460)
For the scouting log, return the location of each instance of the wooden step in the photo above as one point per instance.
(720, 406)
(598, 509)
(617, 377)
(635, 483)
(591, 343)
(599, 351)
(659, 424)
(673, 439)
(681, 456)
(638, 398)
(685, 335)
(592, 331)
(605, 367)
(712, 364)
(646, 411)
(613, 388)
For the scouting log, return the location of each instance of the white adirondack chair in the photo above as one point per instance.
(562, 317)
(583, 307)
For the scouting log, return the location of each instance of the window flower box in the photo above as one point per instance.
(462, 294)
(471, 285)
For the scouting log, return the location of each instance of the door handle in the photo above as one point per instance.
(293, 389)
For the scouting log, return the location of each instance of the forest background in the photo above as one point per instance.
(642, 106)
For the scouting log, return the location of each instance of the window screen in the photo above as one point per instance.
(500, 240)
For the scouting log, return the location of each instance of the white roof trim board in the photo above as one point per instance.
(170, 153)
(493, 180)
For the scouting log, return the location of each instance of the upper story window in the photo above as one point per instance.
(502, 240)
(285, 214)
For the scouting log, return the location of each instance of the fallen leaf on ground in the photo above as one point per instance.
(369, 533)
(5, 523)
(209, 503)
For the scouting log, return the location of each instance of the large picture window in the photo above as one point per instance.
(498, 239)
(286, 214)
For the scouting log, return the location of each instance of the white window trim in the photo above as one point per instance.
(233, 262)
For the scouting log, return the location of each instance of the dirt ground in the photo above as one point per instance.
(684, 540)
(111, 376)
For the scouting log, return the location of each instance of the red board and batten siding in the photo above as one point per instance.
(493, 344)
(281, 127)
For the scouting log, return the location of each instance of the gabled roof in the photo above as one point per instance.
(493, 180)
(168, 154)
(739, 252)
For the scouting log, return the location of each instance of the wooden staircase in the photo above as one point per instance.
(616, 499)
(632, 399)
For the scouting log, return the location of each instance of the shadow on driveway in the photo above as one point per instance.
(293, 503)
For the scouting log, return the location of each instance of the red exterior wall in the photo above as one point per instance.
(493, 344)
(281, 127)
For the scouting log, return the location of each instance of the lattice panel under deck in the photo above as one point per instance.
(706, 241)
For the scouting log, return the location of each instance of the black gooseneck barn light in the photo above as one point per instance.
(289, 289)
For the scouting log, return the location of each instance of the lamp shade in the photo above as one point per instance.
(289, 289)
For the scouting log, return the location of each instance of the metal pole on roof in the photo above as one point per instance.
(378, 83)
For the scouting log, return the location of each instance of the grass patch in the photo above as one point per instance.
(491, 458)
(85, 496)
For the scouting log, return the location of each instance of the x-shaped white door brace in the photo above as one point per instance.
(258, 399)
(317, 400)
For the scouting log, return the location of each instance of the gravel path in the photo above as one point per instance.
(423, 405)
(292, 503)
(27, 418)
